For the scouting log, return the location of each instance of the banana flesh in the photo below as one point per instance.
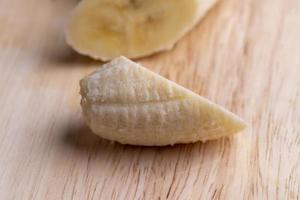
(105, 29)
(124, 102)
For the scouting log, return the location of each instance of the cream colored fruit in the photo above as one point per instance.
(123, 101)
(105, 29)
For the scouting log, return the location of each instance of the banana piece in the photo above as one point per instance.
(105, 29)
(125, 102)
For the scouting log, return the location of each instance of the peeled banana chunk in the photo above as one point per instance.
(105, 29)
(125, 102)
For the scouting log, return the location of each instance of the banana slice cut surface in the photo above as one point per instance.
(105, 29)
(125, 102)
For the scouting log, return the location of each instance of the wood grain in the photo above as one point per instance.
(245, 55)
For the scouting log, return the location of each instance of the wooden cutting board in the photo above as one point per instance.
(245, 55)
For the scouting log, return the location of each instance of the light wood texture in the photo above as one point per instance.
(245, 55)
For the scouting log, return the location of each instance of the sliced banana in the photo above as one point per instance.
(125, 102)
(105, 29)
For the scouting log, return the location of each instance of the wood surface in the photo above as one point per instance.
(245, 55)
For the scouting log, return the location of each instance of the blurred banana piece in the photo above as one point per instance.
(105, 29)
(123, 101)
